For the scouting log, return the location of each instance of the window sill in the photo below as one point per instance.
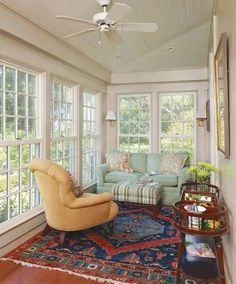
(19, 220)
(88, 186)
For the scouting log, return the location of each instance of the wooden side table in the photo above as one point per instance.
(204, 228)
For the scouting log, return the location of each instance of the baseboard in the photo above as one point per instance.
(12, 245)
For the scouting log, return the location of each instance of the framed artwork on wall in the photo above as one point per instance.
(222, 97)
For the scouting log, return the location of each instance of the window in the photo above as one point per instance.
(19, 141)
(134, 123)
(90, 137)
(177, 122)
(63, 137)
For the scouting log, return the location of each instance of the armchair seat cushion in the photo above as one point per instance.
(166, 179)
(117, 176)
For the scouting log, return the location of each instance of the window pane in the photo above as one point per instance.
(25, 155)
(10, 79)
(25, 201)
(21, 102)
(124, 127)
(1, 103)
(3, 210)
(14, 205)
(14, 156)
(32, 128)
(31, 84)
(124, 143)
(31, 106)
(21, 134)
(1, 128)
(25, 178)
(10, 128)
(1, 77)
(10, 104)
(3, 185)
(3, 158)
(21, 82)
(14, 181)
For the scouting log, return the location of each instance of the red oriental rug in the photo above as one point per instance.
(141, 250)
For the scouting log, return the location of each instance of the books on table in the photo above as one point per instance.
(197, 197)
(199, 249)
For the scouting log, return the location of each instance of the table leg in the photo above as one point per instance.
(219, 250)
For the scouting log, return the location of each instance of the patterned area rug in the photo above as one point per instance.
(140, 250)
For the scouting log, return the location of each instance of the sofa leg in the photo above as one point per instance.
(111, 227)
(62, 238)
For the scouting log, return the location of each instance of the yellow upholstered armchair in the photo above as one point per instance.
(63, 210)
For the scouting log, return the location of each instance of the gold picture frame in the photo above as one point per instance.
(222, 97)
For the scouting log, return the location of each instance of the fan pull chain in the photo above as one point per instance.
(99, 36)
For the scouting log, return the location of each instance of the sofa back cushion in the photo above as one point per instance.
(153, 162)
(138, 162)
(172, 162)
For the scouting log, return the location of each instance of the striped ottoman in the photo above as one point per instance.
(145, 193)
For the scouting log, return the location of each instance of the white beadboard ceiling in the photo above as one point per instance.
(183, 25)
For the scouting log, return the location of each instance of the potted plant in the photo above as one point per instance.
(201, 172)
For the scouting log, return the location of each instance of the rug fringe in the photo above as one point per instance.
(98, 279)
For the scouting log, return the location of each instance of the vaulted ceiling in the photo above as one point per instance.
(184, 27)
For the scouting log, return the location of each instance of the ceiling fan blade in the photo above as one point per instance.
(82, 32)
(114, 37)
(138, 27)
(118, 11)
(75, 19)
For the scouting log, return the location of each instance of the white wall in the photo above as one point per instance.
(29, 47)
(155, 83)
(225, 21)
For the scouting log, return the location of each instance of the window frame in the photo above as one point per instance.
(32, 211)
(149, 135)
(61, 138)
(177, 93)
(96, 136)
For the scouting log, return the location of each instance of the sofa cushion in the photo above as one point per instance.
(118, 176)
(166, 179)
(153, 162)
(138, 162)
(172, 162)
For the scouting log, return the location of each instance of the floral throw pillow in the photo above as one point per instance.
(172, 163)
(114, 159)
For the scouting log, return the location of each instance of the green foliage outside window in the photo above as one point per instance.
(134, 126)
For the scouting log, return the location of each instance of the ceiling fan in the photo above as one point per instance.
(108, 22)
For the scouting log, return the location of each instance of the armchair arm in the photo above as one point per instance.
(100, 172)
(90, 199)
(184, 176)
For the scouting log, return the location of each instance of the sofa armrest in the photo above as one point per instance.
(101, 171)
(184, 176)
(90, 199)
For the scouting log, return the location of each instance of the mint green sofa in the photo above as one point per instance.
(144, 163)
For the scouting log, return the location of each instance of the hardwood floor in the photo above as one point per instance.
(11, 273)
